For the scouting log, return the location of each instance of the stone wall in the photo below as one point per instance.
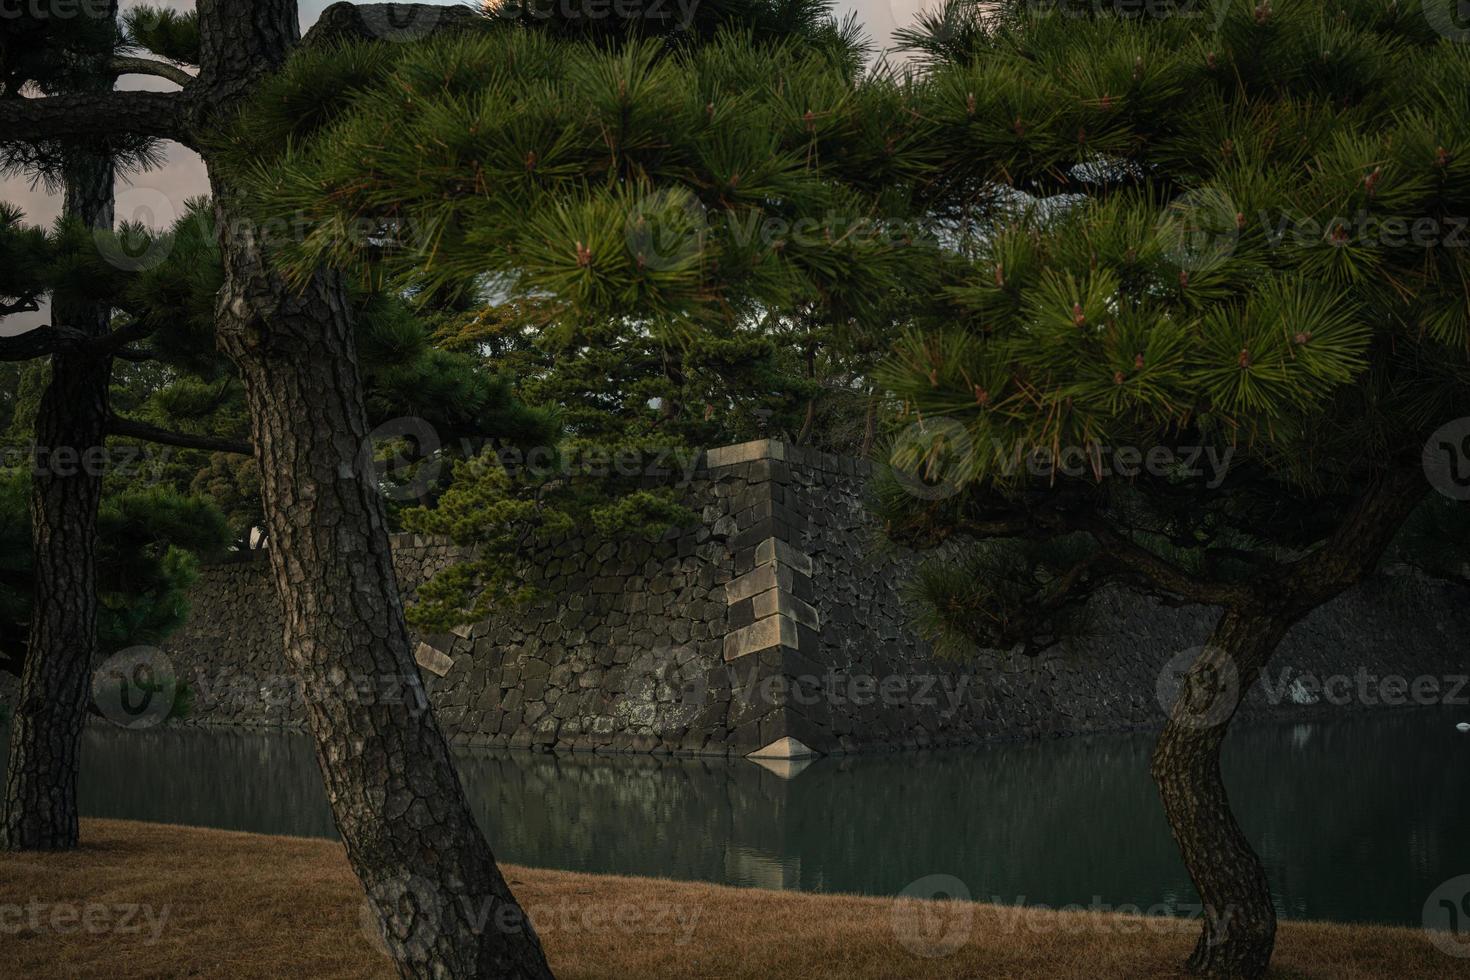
(776, 627)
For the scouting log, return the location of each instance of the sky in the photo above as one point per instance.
(157, 197)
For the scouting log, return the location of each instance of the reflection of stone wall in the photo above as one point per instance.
(775, 624)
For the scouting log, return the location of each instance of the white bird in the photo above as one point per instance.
(1463, 726)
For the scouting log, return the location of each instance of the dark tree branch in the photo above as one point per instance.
(92, 115)
(1160, 572)
(28, 305)
(41, 342)
(147, 66)
(119, 426)
(48, 340)
(114, 342)
(1359, 541)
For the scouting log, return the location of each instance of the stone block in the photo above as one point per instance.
(745, 452)
(783, 748)
(773, 631)
(776, 551)
(776, 602)
(432, 660)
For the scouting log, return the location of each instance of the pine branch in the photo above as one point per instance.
(51, 339)
(1160, 572)
(131, 428)
(147, 66)
(117, 340)
(94, 114)
(41, 342)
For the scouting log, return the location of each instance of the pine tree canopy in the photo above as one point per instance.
(672, 187)
(1243, 232)
(660, 228)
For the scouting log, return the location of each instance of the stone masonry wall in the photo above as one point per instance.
(776, 627)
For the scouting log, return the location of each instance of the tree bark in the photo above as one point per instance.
(41, 782)
(394, 791)
(1239, 928)
(409, 833)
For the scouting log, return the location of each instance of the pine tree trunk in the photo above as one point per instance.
(41, 778)
(394, 791)
(395, 795)
(1239, 929)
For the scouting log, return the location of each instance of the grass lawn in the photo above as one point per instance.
(146, 900)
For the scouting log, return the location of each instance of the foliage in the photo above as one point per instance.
(1171, 236)
(669, 245)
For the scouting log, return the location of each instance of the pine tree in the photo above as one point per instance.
(1174, 231)
(674, 234)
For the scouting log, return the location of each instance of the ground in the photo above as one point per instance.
(147, 900)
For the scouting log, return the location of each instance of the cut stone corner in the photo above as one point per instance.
(785, 748)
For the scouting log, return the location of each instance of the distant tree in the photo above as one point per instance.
(1172, 233)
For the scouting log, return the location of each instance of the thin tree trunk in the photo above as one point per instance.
(41, 778)
(1239, 929)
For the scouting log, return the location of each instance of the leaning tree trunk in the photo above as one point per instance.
(395, 795)
(394, 791)
(41, 779)
(1239, 929)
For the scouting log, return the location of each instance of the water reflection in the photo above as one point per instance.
(1357, 819)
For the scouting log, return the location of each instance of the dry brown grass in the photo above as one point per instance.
(243, 905)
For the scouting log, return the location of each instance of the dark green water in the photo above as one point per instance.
(1357, 819)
